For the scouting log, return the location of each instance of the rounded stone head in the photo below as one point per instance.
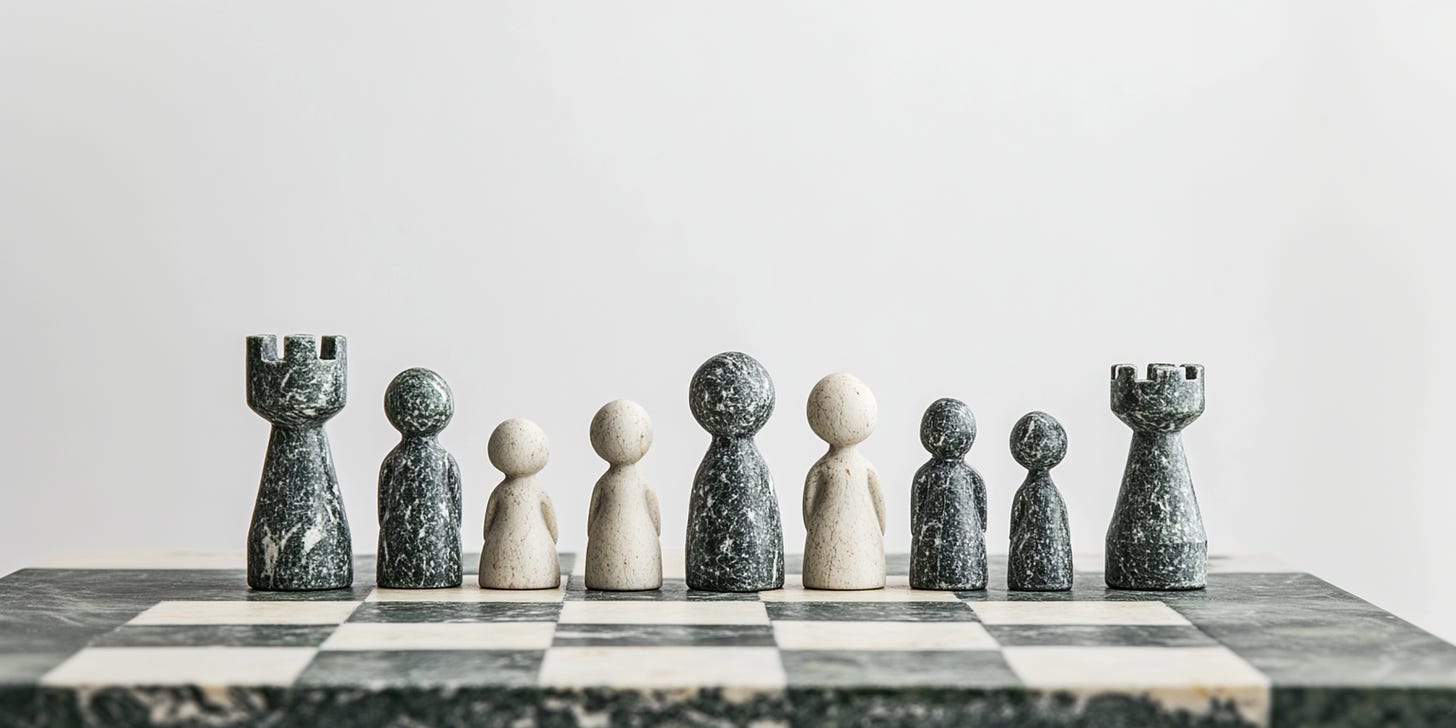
(518, 448)
(948, 428)
(731, 395)
(418, 402)
(1038, 441)
(621, 432)
(842, 410)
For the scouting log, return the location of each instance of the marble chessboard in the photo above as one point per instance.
(179, 640)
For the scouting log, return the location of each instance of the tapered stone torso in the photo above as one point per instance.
(947, 504)
(299, 536)
(735, 539)
(1156, 540)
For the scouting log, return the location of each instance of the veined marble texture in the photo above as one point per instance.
(97, 640)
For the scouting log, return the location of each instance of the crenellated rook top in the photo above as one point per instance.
(1168, 400)
(306, 386)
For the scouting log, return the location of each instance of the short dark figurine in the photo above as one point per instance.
(299, 536)
(735, 538)
(419, 488)
(948, 504)
(1156, 539)
(1041, 541)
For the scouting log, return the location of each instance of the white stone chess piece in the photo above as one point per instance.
(623, 552)
(844, 509)
(520, 524)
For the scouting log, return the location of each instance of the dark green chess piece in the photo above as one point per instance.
(1041, 541)
(419, 488)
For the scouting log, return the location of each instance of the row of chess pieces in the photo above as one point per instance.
(299, 537)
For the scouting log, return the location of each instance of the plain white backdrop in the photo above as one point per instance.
(558, 204)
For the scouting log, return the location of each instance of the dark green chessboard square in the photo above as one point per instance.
(663, 635)
(673, 590)
(456, 612)
(216, 635)
(1102, 635)
(870, 611)
(892, 668)
(414, 668)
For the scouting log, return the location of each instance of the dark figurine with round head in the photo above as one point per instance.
(419, 403)
(731, 395)
(948, 428)
(1038, 441)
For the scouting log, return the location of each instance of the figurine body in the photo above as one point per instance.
(623, 551)
(419, 488)
(844, 509)
(1041, 541)
(948, 504)
(520, 524)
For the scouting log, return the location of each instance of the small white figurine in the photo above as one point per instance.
(844, 510)
(622, 528)
(520, 524)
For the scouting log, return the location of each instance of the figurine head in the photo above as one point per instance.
(842, 410)
(1167, 401)
(948, 428)
(731, 395)
(518, 448)
(1038, 441)
(306, 386)
(418, 402)
(621, 432)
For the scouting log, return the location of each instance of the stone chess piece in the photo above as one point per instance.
(948, 504)
(623, 527)
(735, 538)
(419, 488)
(299, 536)
(520, 523)
(1156, 539)
(844, 508)
(1041, 541)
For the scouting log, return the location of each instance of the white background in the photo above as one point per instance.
(559, 204)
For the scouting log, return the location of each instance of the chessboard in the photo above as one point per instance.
(179, 639)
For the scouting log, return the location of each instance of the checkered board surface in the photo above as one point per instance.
(1220, 651)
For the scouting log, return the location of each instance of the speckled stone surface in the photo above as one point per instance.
(1040, 558)
(419, 488)
(520, 522)
(735, 538)
(156, 640)
(299, 536)
(948, 504)
(844, 508)
(1156, 539)
(623, 550)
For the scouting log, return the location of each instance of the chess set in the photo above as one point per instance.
(299, 537)
(729, 629)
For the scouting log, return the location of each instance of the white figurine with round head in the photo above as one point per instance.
(844, 509)
(520, 523)
(623, 550)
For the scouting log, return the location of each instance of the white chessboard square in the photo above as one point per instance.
(224, 612)
(1085, 613)
(897, 589)
(934, 636)
(470, 591)
(665, 612)
(1179, 678)
(200, 666)
(397, 636)
(747, 669)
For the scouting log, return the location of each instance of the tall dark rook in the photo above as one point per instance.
(299, 537)
(1156, 540)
